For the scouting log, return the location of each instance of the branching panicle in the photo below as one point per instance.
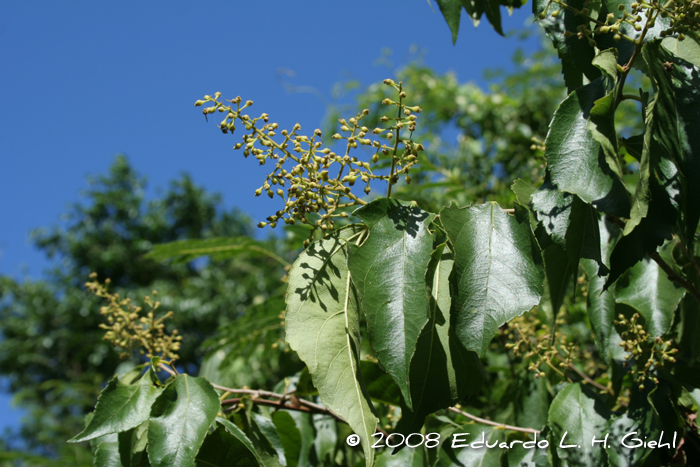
(129, 326)
(313, 181)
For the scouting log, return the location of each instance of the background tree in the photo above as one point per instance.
(51, 350)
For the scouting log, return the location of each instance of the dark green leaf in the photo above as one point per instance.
(523, 191)
(179, 421)
(389, 273)
(323, 327)
(576, 55)
(239, 437)
(289, 436)
(646, 288)
(132, 446)
(553, 208)
(121, 407)
(497, 274)
(222, 449)
(575, 159)
(451, 11)
(576, 417)
(380, 386)
(269, 430)
(676, 113)
(220, 248)
(442, 371)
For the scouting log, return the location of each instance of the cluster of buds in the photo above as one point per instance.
(648, 352)
(683, 16)
(534, 343)
(129, 326)
(304, 166)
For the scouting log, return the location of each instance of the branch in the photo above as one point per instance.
(673, 276)
(297, 404)
(496, 424)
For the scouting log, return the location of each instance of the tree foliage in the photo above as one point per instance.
(556, 325)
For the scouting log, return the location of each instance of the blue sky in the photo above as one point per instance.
(83, 81)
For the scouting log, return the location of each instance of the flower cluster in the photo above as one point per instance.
(680, 17)
(129, 326)
(648, 352)
(314, 182)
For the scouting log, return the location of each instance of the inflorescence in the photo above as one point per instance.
(304, 165)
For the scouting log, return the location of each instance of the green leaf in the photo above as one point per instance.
(639, 418)
(676, 113)
(580, 416)
(523, 191)
(451, 11)
(222, 449)
(389, 273)
(497, 274)
(552, 208)
(575, 159)
(132, 446)
(380, 385)
(442, 371)
(239, 437)
(269, 431)
(289, 436)
(601, 302)
(688, 50)
(179, 421)
(485, 453)
(583, 236)
(121, 407)
(323, 327)
(406, 457)
(326, 437)
(647, 289)
(576, 55)
(219, 248)
(107, 455)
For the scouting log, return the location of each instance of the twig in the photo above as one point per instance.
(691, 257)
(673, 276)
(589, 380)
(496, 424)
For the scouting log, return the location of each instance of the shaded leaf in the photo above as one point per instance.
(121, 407)
(407, 457)
(107, 455)
(389, 273)
(580, 416)
(323, 327)
(647, 289)
(442, 371)
(222, 449)
(179, 421)
(326, 437)
(241, 437)
(269, 430)
(497, 274)
(289, 435)
(484, 447)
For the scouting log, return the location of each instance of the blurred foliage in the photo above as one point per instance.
(52, 355)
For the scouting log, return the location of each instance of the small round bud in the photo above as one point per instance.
(198, 103)
(262, 224)
(542, 15)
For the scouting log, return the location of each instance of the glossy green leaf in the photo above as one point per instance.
(575, 159)
(553, 209)
(451, 10)
(497, 274)
(442, 371)
(323, 327)
(484, 448)
(576, 417)
(647, 289)
(601, 302)
(107, 455)
(583, 238)
(688, 50)
(406, 457)
(218, 249)
(676, 113)
(179, 421)
(241, 438)
(289, 436)
(576, 55)
(523, 191)
(389, 273)
(121, 407)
